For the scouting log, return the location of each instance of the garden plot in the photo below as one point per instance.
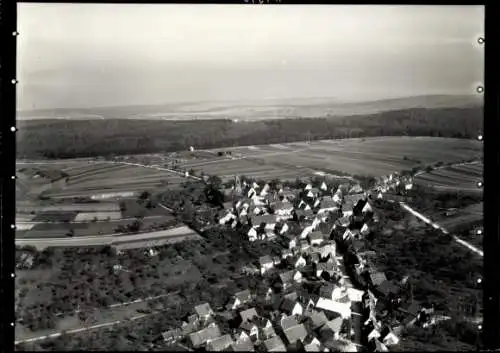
(55, 216)
(455, 177)
(83, 207)
(97, 216)
(62, 230)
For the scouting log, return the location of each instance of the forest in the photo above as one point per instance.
(108, 137)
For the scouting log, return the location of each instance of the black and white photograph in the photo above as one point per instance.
(239, 177)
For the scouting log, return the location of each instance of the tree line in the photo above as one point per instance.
(84, 138)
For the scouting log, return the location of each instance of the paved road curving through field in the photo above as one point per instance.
(442, 229)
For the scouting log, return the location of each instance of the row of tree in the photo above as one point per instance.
(126, 136)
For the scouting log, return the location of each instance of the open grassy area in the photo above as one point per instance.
(54, 230)
(363, 156)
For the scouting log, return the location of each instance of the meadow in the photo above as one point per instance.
(61, 230)
(361, 156)
(461, 176)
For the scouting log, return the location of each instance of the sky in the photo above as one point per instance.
(91, 55)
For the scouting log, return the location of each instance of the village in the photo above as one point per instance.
(325, 294)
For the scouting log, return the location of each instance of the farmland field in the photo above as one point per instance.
(60, 230)
(460, 176)
(159, 238)
(464, 217)
(368, 156)
(87, 179)
(98, 216)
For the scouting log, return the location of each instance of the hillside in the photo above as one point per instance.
(84, 138)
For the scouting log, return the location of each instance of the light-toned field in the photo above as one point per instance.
(364, 156)
(91, 179)
(463, 177)
(160, 238)
(145, 239)
(99, 216)
(464, 217)
(82, 207)
(61, 230)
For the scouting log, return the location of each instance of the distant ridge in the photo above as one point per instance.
(254, 110)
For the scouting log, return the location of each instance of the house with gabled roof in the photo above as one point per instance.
(283, 228)
(328, 269)
(367, 208)
(241, 298)
(265, 190)
(306, 231)
(347, 209)
(308, 187)
(355, 199)
(296, 335)
(240, 335)
(248, 314)
(286, 253)
(268, 221)
(201, 337)
(316, 238)
(390, 339)
(266, 263)
(355, 295)
(291, 240)
(274, 344)
(331, 329)
(283, 209)
(242, 346)
(327, 205)
(311, 344)
(291, 307)
(331, 291)
(253, 234)
(300, 262)
(365, 229)
(316, 318)
(337, 196)
(314, 258)
(303, 214)
(327, 251)
(219, 344)
(172, 335)
(228, 217)
(258, 328)
(288, 278)
(377, 278)
(288, 321)
(203, 311)
(343, 221)
(356, 189)
(332, 307)
(251, 192)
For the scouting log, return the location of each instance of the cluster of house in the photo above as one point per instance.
(304, 223)
(389, 304)
(391, 182)
(315, 306)
(313, 323)
(272, 213)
